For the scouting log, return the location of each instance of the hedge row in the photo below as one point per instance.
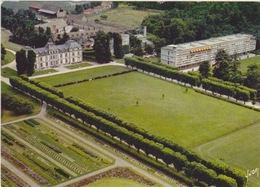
(251, 91)
(95, 78)
(194, 170)
(157, 63)
(227, 100)
(157, 165)
(163, 71)
(47, 87)
(184, 155)
(181, 161)
(238, 92)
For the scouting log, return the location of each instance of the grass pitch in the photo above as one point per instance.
(164, 108)
(82, 74)
(214, 128)
(239, 149)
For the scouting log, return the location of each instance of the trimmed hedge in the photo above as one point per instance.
(234, 86)
(94, 78)
(161, 70)
(47, 87)
(238, 92)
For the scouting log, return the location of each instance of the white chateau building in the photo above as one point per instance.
(190, 55)
(55, 55)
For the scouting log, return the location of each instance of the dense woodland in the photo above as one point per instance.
(190, 21)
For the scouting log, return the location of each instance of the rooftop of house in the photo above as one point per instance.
(49, 9)
(50, 46)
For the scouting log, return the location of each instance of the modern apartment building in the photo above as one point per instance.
(190, 55)
(55, 55)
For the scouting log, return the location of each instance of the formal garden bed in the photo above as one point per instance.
(46, 156)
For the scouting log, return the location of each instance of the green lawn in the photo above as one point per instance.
(9, 57)
(246, 62)
(9, 45)
(44, 72)
(112, 182)
(83, 74)
(8, 115)
(216, 129)
(128, 17)
(240, 149)
(8, 72)
(189, 119)
(80, 65)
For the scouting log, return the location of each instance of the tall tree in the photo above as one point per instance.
(221, 56)
(222, 71)
(252, 79)
(204, 69)
(79, 9)
(3, 52)
(234, 72)
(31, 58)
(21, 62)
(102, 47)
(118, 48)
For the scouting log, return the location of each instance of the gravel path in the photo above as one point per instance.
(21, 175)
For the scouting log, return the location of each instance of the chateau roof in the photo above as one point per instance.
(70, 44)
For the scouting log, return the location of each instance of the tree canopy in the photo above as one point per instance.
(102, 47)
(190, 21)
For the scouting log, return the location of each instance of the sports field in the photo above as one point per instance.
(189, 118)
(82, 74)
(240, 149)
(215, 128)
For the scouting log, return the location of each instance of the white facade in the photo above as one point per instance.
(190, 55)
(53, 56)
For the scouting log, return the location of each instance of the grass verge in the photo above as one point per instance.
(9, 115)
(9, 57)
(249, 61)
(8, 72)
(5, 34)
(80, 65)
(82, 74)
